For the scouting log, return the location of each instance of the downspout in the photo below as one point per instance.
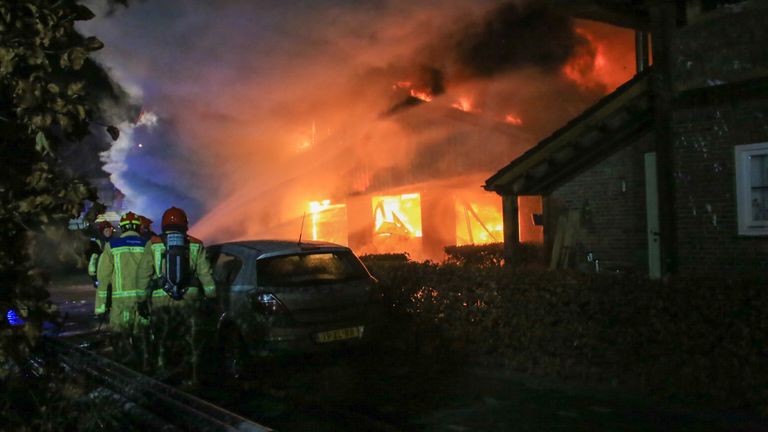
(642, 54)
(663, 27)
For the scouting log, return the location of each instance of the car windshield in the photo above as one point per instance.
(309, 268)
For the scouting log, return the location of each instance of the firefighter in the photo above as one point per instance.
(104, 231)
(175, 259)
(118, 274)
(145, 228)
(96, 248)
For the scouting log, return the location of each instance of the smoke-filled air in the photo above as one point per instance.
(257, 117)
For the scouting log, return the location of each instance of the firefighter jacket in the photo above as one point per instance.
(95, 249)
(154, 264)
(119, 278)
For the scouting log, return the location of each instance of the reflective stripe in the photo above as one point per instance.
(194, 251)
(157, 254)
(131, 293)
(127, 293)
(118, 276)
(129, 249)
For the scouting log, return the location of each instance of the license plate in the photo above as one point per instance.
(340, 334)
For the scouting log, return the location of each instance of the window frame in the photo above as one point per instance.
(742, 153)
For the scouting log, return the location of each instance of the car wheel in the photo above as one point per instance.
(232, 356)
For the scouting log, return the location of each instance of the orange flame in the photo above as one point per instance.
(478, 224)
(589, 67)
(421, 94)
(513, 120)
(328, 221)
(397, 215)
(464, 104)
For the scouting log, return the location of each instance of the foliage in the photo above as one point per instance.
(173, 344)
(46, 103)
(476, 255)
(47, 401)
(694, 338)
(42, 103)
(492, 254)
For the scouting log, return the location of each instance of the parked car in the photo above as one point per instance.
(284, 296)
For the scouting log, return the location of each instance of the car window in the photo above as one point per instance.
(226, 268)
(309, 268)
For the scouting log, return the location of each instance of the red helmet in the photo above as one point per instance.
(174, 219)
(129, 221)
(145, 221)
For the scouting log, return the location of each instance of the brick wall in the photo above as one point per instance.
(724, 47)
(705, 137)
(613, 221)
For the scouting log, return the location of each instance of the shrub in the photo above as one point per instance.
(692, 337)
(492, 254)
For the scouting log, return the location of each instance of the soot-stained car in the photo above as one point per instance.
(282, 296)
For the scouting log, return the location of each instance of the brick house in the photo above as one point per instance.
(669, 173)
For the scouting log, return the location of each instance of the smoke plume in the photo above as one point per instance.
(263, 106)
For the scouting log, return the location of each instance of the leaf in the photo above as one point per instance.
(64, 61)
(36, 56)
(75, 88)
(93, 44)
(64, 121)
(77, 57)
(53, 88)
(113, 132)
(41, 143)
(6, 14)
(82, 13)
(7, 60)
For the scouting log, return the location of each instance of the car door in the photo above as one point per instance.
(226, 267)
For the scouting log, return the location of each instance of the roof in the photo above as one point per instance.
(595, 134)
(288, 246)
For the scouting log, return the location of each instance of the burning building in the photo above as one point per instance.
(667, 174)
(400, 166)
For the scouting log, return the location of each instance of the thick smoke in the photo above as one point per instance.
(504, 41)
(264, 106)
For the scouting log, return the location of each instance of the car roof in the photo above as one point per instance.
(283, 246)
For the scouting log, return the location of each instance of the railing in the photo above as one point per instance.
(157, 404)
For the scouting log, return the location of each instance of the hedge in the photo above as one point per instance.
(693, 338)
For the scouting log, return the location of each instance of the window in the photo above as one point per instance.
(226, 269)
(309, 269)
(752, 188)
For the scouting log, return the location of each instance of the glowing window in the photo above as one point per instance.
(397, 215)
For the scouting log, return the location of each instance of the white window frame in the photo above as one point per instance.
(743, 193)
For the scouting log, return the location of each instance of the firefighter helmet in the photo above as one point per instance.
(101, 226)
(174, 219)
(129, 221)
(145, 221)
